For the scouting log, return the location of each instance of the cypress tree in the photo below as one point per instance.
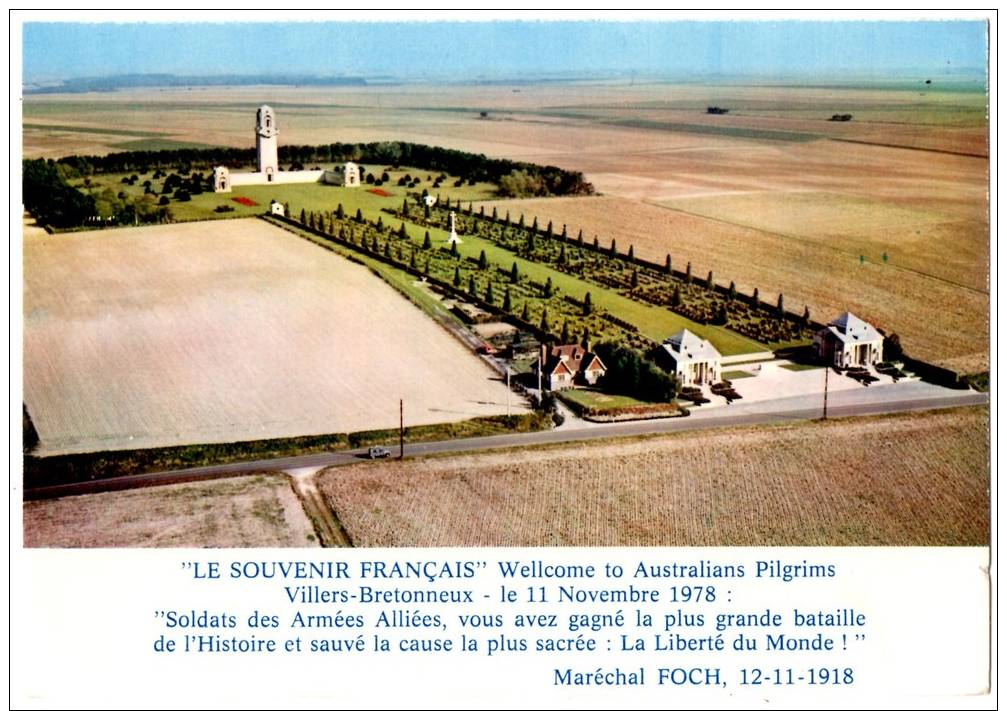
(520, 222)
(472, 285)
(612, 250)
(587, 308)
(688, 273)
(339, 212)
(667, 264)
(596, 243)
(402, 231)
(534, 224)
(524, 313)
(530, 244)
(286, 209)
(359, 216)
(547, 289)
(426, 240)
(755, 297)
(630, 254)
(506, 302)
(544, 323)
(548, 231)
(426, 211)
(709, 280)
(514, 273)
(482, 211)
(381, 224)
(732, 292)
(489, 293)
(483, 263)
(565, 335)
(676, 296)
(412, 258)
(779, 307)
(454, 249)
(458, 277)
(807, 315)
(388, 248)
(494, 216)
(374, 244)
(304, 217)
(507, 218)
(634, 280)
(580, 238)
(562, 254)
(405, 207)
(564, 235)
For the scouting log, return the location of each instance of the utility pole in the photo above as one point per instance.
(402, 433)
(508, 390)
(825, 400)
(541, 365)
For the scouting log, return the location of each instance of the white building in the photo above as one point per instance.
(276, 208)
(347, 175)
(268, 165)
(692, 359)
(849, 341)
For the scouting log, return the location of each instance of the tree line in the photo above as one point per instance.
(516, 178)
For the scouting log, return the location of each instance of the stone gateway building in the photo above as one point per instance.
(848, 342)
(267, 163)
(692, 359)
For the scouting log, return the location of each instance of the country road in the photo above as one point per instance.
(873, 401)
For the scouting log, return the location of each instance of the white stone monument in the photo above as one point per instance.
(265, 142)
(453, 238)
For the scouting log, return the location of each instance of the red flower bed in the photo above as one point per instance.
(245, 201)
(380, 192)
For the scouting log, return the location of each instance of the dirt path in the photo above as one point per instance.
(331, 533)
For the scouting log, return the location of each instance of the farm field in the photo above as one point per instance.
(772, 195)
(824, 274)
(523, 120)
(227, 331)
(919, 479)
(245, 512)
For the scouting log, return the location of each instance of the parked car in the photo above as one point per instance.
(379, 452)
(486, 349)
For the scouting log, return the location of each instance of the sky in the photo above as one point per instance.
(55, 51)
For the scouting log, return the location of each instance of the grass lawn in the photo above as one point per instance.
(736, 374)
(797, 367)
(307, 196)
(595, 400)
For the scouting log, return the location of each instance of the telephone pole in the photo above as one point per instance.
(508, 390)
(825, 399)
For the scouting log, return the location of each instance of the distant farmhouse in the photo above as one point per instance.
(268, 165)
(849, 341)
(566, 366)
(692, 359)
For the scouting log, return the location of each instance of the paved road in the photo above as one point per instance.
(873, 401)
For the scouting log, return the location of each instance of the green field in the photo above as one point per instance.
(797, 367)
(594, 400)
(736, 375)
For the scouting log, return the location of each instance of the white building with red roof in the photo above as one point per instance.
(569, 365)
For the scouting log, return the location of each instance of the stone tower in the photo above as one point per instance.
(265, 142)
